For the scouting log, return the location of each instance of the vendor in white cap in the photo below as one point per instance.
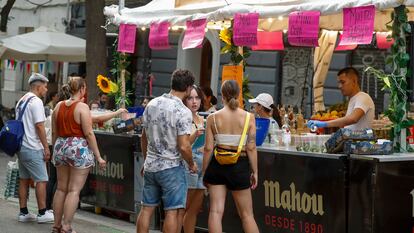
(263, 106)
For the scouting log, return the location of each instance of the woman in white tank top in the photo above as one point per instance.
(224, 129)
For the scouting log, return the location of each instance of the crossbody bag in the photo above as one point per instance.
(224, 157)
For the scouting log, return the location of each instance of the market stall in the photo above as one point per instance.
(301, 188)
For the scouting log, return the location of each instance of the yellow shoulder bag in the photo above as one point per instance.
(227, 157)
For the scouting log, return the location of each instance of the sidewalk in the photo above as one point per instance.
(84, 222)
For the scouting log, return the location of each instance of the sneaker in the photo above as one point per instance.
(48, 217)
(26, 217)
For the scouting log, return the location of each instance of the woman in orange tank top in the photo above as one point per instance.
(74, 147)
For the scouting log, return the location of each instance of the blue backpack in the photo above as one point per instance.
(11, 135)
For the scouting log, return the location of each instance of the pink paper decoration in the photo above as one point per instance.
(194, 34)
(158, 37)
(245, 29)
(344, 47)
(269, 41)
(304, 28)
(358, 25)
(126, 38)
(382, 41)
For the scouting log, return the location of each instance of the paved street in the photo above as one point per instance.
(85, 221)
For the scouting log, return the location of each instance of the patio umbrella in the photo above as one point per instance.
(44, 44)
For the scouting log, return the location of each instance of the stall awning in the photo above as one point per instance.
(331, 12)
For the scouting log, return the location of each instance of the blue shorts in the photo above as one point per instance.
(170, 185)
(195, 180)
(32, 165)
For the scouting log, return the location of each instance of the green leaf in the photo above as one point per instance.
(407, 27)
(387, 82)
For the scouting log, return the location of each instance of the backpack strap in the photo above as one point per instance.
(243, 136)
(24, 108)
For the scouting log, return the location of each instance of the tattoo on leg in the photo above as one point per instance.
(251, 138)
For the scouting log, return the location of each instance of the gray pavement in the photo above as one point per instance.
(84, 222)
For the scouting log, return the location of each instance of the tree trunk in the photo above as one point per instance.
(5, 15)
(96, 57)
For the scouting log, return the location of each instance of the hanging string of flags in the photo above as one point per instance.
(303, 30)
(12, 64)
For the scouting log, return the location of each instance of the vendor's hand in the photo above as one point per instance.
(319, 124)
(46, 154)
(101, 163)
(193, 167)
(253, 180)
(121, 110)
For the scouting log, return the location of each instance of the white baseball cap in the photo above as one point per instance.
(263, 99)
(37, 77)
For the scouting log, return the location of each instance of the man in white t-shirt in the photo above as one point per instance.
(361, 108)
(34, 151)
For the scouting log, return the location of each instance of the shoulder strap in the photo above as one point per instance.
(24, 108)
(215, 125)
(243, 136)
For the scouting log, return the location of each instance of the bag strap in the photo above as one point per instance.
(243, 136)
(24, 108)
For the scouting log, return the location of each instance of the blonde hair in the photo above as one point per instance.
(230, 91)
(75, 84)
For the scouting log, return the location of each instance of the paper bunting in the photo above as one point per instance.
(245, 29)
(269, 41)
(304, 28)
(158, 37)
(28, 65)
(358, 25)
(382, 41)
(234, 73)
(126, 38)
(344, 47)
(194, 34)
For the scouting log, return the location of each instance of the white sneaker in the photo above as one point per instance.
(48, 217)
(26, 217)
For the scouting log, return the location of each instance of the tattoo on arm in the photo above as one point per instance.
(251, 138)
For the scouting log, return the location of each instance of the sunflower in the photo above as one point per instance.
(225, 35)
(103, 83)
(114, 87)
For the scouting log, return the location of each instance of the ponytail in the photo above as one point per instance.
(276, 115)
(233, 103)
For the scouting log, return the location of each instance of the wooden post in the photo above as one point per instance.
(123, 83)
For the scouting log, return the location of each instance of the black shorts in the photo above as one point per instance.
(233, 176)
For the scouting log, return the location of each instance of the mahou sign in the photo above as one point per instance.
(113, 187)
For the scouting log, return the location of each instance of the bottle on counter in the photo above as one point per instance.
(286, 136)
(273, 140)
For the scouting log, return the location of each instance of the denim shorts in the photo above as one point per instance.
(32, 165)
(195, 180)
(169, 185)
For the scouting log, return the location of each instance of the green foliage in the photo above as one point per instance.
(396, 82)
(120, 62)
(236, 58)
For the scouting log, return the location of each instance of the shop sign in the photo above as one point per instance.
(269, 41)
(113, 187)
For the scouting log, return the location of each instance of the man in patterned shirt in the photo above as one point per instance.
(165, 143)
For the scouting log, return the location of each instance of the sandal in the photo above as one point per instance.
(56, 229)
(67, 231)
